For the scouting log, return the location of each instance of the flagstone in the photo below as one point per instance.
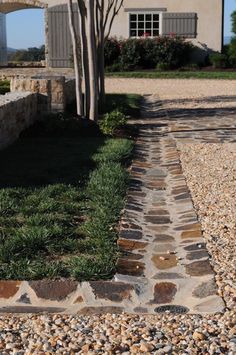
(199, 268)
(9, 288)
(164, 292)
(164, 261)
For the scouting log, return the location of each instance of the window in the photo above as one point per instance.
(147, 24)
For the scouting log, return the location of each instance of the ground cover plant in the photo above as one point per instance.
(61, 195)
(4, 87)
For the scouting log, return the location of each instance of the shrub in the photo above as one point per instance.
(131, 54)
(163, 66)
(218, 60)
(116, 67)
(146, 53)
(149, 51)
(232, 52)
(111, 51)
(173, 51)
(111, 121)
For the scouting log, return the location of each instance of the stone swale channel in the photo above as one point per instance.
(164, 265)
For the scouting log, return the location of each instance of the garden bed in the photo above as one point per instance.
(61, 197)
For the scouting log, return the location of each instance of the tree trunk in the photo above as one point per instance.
(75, 45)
(92, 61)
(101, 76)
(84, 50)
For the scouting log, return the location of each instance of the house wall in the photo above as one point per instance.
(209, 23)
(57, 36)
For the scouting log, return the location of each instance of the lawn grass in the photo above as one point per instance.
(60, 200)
(227, 75)
(129, 104)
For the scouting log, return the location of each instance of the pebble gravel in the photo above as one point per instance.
(210, 170)
(118, 334)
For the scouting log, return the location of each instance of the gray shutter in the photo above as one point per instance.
(3, 40)
(59, 38)
(181, 23)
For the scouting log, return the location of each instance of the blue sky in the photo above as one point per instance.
(25, 28)
(230, 6)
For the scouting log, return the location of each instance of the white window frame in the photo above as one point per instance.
(145, 12)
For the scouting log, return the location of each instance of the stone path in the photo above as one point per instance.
(164, 264)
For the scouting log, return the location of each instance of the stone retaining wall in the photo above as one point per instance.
(17, 112)
(54, 92)
(29, 99)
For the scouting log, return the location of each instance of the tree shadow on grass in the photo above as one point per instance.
(44, 155)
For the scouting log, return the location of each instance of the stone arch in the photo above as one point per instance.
(7, 6)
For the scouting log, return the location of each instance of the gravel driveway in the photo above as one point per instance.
(180, 92)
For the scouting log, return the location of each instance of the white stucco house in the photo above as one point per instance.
(200, 21)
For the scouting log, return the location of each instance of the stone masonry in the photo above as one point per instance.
(29, 100)
(17, 112)
(54, 92)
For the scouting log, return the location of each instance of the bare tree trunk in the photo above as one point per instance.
(101, 68)
(105, 16)
(84, 50)
(100, 50)
(78, 80)
(92, 61)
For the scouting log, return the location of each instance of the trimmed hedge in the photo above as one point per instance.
(147, 53)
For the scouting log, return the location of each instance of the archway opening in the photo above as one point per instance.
(26, 37)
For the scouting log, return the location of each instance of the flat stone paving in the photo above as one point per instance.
(164, 264)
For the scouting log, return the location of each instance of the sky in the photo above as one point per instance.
(25, 28)
(230, 6)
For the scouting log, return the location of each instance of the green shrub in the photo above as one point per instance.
(147, 53)
(232, 52)
(163, 66)
(116, 67)
(111, 51)
(131, 54)
(218, 60)
(111, 121)
(173, 51)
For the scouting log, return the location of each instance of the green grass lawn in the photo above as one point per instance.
(229, 75)
(60, 200)
(128, 104)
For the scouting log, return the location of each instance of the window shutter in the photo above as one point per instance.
(180, 23)
(3, 40)
(59, 38)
